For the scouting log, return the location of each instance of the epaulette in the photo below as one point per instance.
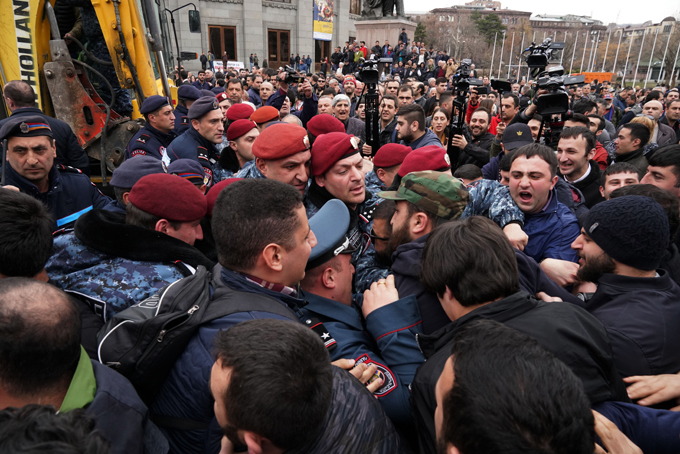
(62, 232)
(143, 138)
(367, 214)
(63, 168)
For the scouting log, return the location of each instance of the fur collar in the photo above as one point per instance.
(107, 232)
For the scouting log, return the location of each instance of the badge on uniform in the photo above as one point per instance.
(389, 382)
(315, 325)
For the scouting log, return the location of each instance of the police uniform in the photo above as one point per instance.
(190, 93)
(70, 193)
(192, 145)
(149, 141)
(387, 334)
(128, 173)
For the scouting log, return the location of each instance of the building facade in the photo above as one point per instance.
(272, 29)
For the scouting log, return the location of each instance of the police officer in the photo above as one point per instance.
(198, 143)
(387, 337)
(125, 177)
(157, 133)
(31, 151)
(20, 99)
(186, 95)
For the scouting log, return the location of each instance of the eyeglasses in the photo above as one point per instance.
(375, 237)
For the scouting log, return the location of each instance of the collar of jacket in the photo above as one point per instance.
(630, 156)
(238, 282)
(333, 309)
(202, 140)
(182, 109)
(594, 175)
(27, 111)
(549, 209)
(26, 186)
(107, 232)
(500, 311)
(164, 138)
(626, 285)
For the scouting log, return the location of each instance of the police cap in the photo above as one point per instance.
(25, 126)
(188, 92)
(153, 103)
(203, 106)
(132, 169)
(330, 226)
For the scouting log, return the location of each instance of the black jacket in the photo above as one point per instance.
(670, 262)
(567, 331)
(406, 270)
(590, 185)
(477, 151)
(355, 423)
(642, 317)
(69, 151)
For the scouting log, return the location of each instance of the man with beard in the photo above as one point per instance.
(410, 128)
(620, 248)
(471, 267)
(424, 201)
(349, 84)
(672, 116)
(382, 230)
(477, 150)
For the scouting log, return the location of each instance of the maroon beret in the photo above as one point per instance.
(265, 114)
(212, 194)
(239, 128)
(323, 124)
(390, 155)
(221, 96)
(432, 157)
(239, 112)
(280, 140)
(331, 148)
(168, 197)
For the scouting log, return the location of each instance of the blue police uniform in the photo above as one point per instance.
(70, 194)
(181, 119)
(192, 145)
(149, 141)
(387, 340)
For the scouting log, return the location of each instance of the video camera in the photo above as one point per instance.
(368, 71)
(552, 105)
(462, 77)
(461, 88)
(292, 76)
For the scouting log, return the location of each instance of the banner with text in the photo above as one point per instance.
(323, 20)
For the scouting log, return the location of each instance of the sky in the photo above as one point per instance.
(619, 11)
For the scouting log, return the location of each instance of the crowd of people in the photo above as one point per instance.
(263, 280)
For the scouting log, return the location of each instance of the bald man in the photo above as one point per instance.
(663, 134)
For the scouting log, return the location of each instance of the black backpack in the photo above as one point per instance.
(143, 341)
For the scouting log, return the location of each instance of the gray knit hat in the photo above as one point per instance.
(632, 230)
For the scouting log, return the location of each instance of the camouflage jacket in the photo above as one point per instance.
(249, 170)
(373, 183)
(116, 265)
(491, 199)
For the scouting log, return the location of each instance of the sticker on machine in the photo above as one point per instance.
(390, 383)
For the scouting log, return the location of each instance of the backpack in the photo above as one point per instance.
(144, 341)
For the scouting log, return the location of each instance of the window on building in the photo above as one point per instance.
(355, 7)
(223, 39)
(667, 28)
(278, 42)
(514, 20)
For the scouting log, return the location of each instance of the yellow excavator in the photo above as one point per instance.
(33, 51)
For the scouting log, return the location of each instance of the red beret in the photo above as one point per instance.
(390, 155)
(239, 128)
(239, 111)
(169, 197)
(280, 140)
(331, 148)
(212, 194)
(432, 157)
(265, 114)
(323, 124)
(221, 96)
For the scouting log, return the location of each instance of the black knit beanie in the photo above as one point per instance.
(632, 230)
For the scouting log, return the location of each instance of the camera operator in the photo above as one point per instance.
(309, 104)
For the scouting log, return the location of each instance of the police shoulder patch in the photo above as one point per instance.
(143, 138)
(137, 152)
(389, 380)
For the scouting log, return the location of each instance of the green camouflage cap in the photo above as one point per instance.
(435, 192)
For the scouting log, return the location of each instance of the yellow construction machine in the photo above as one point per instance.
(32, 50)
